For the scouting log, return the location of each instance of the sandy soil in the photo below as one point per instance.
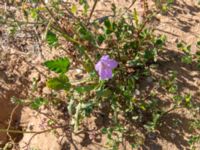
(20, 63)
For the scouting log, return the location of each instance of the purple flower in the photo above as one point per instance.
(105, 66)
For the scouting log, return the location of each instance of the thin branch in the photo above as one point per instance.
(50, 12)
(92, 11)
(129, 7)
(10, 121)
(31, 132)
(170, 110)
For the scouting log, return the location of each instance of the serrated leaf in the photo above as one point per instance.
(52, 39)
(59, 83)
(60, 65)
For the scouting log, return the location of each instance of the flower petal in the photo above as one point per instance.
(111, 63)
(98, 66)
(105, 57)
(105, 74)
(104, 67)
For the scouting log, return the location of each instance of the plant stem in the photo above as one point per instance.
(30, 132)
(57, 28)
(92, 11)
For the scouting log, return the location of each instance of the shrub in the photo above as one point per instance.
(116, 52)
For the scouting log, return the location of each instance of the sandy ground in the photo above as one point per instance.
(20, 62)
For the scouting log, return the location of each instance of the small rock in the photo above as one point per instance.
(159, 16)
(34, 75)
(79, 74)
(173, 136)
(137, 92)
(149, 79)
(79, 71)
(46, 91)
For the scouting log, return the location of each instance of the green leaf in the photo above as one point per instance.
(150, 54)
(87, 66)
(59, 83)
(104, 93)
(100, 39)
(104, 131)
(186, 59)
(188, 98)
(74, 9)
(109, 26)
(86, 88)
(135, 17)
(180, 45)
(51, 122)
(85, 34)
(52, 39)
(198, 43)
(38, 102)
(81, 1)
(107, 23)
(170, 1)
(160, 41)
(86, 7)
(60, 65)
(34, 13)
(87, 108)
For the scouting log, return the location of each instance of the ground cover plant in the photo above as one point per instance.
(119, 55)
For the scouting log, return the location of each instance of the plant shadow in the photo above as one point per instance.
(176, 125)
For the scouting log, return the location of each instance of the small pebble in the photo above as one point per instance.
(137, 92)
(173, 136)
(46, 91)
(149, 79)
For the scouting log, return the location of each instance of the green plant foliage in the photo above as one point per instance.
(74, 9)
(38, 102)
(51, 39)
(198, 43)
(194, 139)
(164, 5)
(151, 126)
(85, 88)
(60, 65)
(114, 135)
(59, 83)
(134, 93)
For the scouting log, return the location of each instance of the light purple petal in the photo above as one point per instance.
(104, 67)
(105, 57)
(111, 63)
(98, 66)
(105, 74)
